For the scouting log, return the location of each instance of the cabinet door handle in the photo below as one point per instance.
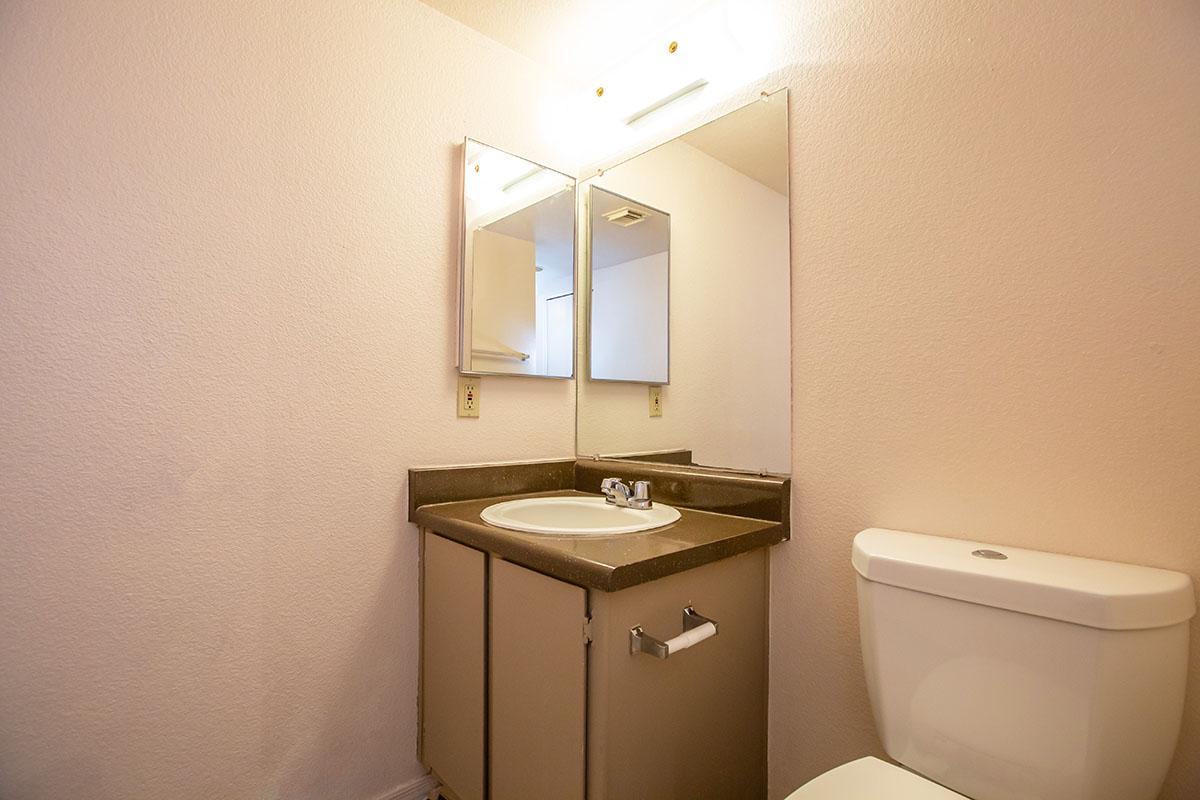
(696, 629)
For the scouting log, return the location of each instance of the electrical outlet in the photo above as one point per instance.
(468, 396)
(656, 401)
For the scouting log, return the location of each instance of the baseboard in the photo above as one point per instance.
(413, 790)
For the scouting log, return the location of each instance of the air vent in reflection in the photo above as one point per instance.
(626, 216)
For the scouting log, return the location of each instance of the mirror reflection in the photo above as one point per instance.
(728, 404)
(630, 269)
(518, 266)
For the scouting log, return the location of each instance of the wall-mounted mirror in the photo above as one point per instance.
(517, 275)
(724, 187)
(630, 258)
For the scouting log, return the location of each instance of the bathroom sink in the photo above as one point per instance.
(576, 516)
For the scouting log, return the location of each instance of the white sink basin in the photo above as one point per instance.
(575, 516)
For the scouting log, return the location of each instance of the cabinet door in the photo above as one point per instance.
(537, 689)
(695, 724)
(452, 664)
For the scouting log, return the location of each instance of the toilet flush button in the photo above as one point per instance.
(995, 555)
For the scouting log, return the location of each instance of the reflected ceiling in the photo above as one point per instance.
(753, 141)
(550, 224)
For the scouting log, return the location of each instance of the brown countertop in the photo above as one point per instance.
(607, 563)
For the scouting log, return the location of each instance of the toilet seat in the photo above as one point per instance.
(871, 779)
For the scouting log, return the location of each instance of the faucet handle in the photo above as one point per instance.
(641, 495)
(609, 487)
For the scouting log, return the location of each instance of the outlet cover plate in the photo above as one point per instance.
(468, 396)
(656, 401)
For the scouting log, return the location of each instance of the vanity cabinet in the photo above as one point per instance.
(530, 689)
(453, 641)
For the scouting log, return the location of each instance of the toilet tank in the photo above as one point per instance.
(1009, 674)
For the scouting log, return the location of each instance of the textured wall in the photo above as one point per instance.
(996, 325)
(227, 239)
(227, 258)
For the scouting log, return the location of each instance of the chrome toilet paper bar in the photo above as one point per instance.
(696, 629)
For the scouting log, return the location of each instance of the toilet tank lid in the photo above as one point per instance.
(1099, 594)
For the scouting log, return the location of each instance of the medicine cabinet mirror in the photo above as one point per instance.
(715, 201)
(517, 273)
(630, 260)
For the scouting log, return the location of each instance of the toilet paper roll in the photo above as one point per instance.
(689, 638)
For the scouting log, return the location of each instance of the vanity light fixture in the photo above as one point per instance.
(702, 60)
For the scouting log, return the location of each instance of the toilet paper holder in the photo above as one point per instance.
(696, 628)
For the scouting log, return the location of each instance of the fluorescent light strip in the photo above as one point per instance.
(517, 181)
(659, 105)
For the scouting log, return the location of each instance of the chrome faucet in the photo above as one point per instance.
(618, 494)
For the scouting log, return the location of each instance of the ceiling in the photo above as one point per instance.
(576, 40)
(765, 124)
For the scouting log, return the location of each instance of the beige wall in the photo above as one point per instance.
(227, 257)
(996, 330)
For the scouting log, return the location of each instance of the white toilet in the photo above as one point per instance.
(1006, 674)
